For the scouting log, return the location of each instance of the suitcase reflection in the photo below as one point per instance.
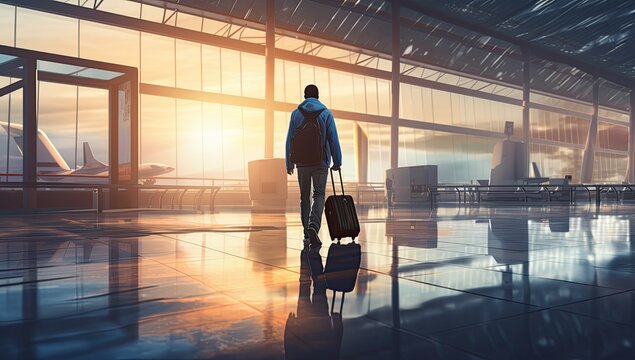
(314, 332)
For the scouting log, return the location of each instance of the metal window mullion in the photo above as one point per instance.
(630, 172)
(395, 75)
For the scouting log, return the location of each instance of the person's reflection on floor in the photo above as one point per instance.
(312, 333)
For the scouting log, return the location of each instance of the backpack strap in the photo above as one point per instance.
(310, 115)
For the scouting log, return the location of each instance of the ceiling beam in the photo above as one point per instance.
(540, 51)
(127, 22)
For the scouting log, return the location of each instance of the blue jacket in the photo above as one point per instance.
(328, 132)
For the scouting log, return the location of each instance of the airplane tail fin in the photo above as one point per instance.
(48, 158)
(89, 158)
(536, 170)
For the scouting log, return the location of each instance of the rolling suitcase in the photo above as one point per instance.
(340, 272)
(341, 216)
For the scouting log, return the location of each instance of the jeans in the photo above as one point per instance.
(311, 212)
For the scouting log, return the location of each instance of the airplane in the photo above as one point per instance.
(50, 162)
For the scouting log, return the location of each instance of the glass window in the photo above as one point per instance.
(11, 156)
(561, 103)
(46, 32)
(253, 75)
(458, 109)
(483, 115)
(293, 89)
(423, 104)
(406, 101)
(153, 13)
(609, 168)
(57, 108)
(407, 156)
(92, 122)
(385, 97)
(232, 130)
(214, 158)
(279, 85)
(7, 22)
(558, 127)
(341, 90)
(231, 75)
(307, 75)
(158, 132)
(253, 130)
(93, 36)
(189, 141)
(378, 150)
(126, 8)
(460, 158)
(611, 136)
(331, 52)
(322, 82)
(157, 60)
(470, 113)
(479, 156)
(211, 69)
(188, 65)
(188, 21)
(345, 130)
(280, 128)
(359, 94)
(613, 115)
(557, 161)
(372, 96)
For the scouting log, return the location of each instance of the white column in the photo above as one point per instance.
(526, 98)
(586, 175)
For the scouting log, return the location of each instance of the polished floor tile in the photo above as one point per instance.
(450, 283)
(618, 308)
(514, 287)
(547, 334)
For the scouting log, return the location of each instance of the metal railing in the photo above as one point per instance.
(548, 193)
(178, 193)
(101, 191)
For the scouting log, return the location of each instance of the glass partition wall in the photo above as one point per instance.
(53, 103)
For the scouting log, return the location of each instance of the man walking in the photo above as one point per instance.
(312, 173)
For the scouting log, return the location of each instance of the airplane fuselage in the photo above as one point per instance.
(100, 173)
(52, 167)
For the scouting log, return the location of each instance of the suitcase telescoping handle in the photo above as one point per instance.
(333, 181)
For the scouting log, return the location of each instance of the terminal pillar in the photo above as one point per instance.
(396, 71)
(29, 141)
(630, 169)
(526, 107)
(586, 175)
(270, 59)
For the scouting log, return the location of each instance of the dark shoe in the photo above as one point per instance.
(314, 238)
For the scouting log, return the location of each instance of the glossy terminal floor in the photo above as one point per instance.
(456, 283)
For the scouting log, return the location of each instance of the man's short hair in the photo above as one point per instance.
(311, 91)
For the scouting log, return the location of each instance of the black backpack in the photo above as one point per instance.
(306, 143)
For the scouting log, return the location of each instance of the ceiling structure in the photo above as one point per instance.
(571, 41)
